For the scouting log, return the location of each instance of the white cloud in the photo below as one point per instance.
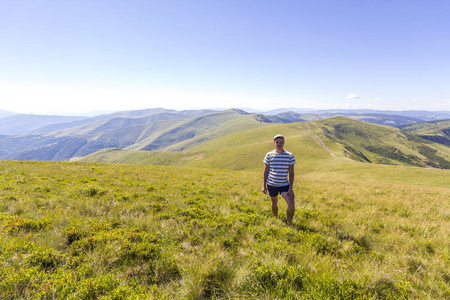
(352, 96)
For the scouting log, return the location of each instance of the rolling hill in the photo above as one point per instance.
(24, 123)
(230, 139)
(437, 131)
(4, 113)
(19, 124)
(151, 132)
(337, 138)
(382, 119)
(424, 116)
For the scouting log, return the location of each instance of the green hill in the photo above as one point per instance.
(436, 131)
(337, 138)
(15, 124)
(144, 132)
(231, 139)
(381, 119)
(190, 132)
(385, 145)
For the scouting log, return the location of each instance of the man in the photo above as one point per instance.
(278, 164)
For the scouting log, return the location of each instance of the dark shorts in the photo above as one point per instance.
(274, 190)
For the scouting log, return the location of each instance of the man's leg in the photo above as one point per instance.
(290, 207)
(274, 206)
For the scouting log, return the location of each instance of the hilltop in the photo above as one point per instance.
(436, 131)
(12, 124)
(322, 140)
(191, 138)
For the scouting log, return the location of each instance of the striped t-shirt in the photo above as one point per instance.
(278, 167)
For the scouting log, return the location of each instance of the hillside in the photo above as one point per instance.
(287, 117)
(21, 123)
(385, 145)
(336, 138)
(424, 116)
(4, 113)
(381, 119)
(195, 134)
(198, 130)
(437, 131)
(121, 132)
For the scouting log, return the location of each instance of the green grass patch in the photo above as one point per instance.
(105, 231)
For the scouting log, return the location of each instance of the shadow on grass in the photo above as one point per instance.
(302, 227)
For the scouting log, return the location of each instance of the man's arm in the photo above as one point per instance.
(291, 180)
(265, 175)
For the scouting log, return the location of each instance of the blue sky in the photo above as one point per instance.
(79, 56)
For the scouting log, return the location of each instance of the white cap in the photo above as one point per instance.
(278, 136)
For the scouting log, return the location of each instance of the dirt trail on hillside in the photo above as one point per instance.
(324, 146)
(317, 138)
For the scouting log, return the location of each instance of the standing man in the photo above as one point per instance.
(278, 164)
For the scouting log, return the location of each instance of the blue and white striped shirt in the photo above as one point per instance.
(278, 167)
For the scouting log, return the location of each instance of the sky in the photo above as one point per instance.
(60, 57)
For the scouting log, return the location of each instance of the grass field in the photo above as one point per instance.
(113, 231)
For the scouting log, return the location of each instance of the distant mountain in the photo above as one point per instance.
(166, 135)
(18, 124)
(415, 114)
(437, 131)
(381, 119)
(287, 117)
(158, 111)
(4, 113)
(339, 138)
(22, 123)
(286, 109)
(157, 114)
(150, 132)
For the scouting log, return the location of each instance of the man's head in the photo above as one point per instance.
(278, 136)
(278, 140)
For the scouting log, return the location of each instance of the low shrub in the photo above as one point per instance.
(17, 224)
(282, 281)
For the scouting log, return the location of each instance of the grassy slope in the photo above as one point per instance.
(390, 120)
(202, 129)
(245, 149)
(438, 131)
(434, 127)
(86, 231)
(116, 128)
(241, 150)
(381, 144)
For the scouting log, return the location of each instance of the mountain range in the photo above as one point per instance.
(18, 124)
(208, 138)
